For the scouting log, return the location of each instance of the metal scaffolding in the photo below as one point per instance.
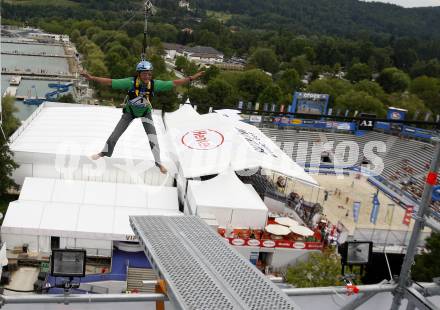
(403, 289)
(201, 270)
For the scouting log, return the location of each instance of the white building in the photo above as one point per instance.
(54, 213)
(49, 37)
(184, 4)
(198, 54)
(56, 141)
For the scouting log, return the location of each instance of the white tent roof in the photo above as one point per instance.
(183, 114)
(211, 143)
(85, 209)
(229, 200)
(225, 191)
(82, 130)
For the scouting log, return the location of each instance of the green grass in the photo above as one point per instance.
(4, 203)
(65, 3)
(221, 16)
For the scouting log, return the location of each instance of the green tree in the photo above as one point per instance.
(393, 80)
(320, 269)
(358, 72)
(382, 58)
(332, 87)
(185, 66)
(430, 68)
(427, 89)
(66, 98)
(166, 32)
(52, 26)
(427, 265)
(118, 68)
(265, 59)
(200, 97)
(10, 122)
(7, 164)
(211, 73)
(221, 94)
(206, 38)
(251, 83)
(310, 53)
(159, 67)
(409, 102)
(271, 94)
(360, 101)
(96, 66)
(83, 25)
(404, 54)
(191, 68)
(372, 88)
(92, 31)
(74, 35)
(300, 64)
(289, 81)
(166, 101)
(181, 63)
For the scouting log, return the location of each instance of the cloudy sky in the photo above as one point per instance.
(410, 3)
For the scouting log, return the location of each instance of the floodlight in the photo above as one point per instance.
(68, 263)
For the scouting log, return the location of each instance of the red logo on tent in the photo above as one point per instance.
(203, 139)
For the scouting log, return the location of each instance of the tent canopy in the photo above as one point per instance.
(82, 130)
(183, 114)
(84, 209)
(229, 200)
(211, 143)
(227, 191)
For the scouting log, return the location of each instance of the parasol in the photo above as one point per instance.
(278, 230)
(286, 221)
(301, 230)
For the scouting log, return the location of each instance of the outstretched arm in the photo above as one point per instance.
(188, 79)
(100, 80)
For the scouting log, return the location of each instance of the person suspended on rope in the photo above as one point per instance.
(141, 89)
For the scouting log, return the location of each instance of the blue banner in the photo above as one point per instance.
(311, 123)
(356, 210)
(417, 132)
(408, 131)
(382, 125)
(375, 210)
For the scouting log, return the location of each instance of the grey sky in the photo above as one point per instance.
(410, 3)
